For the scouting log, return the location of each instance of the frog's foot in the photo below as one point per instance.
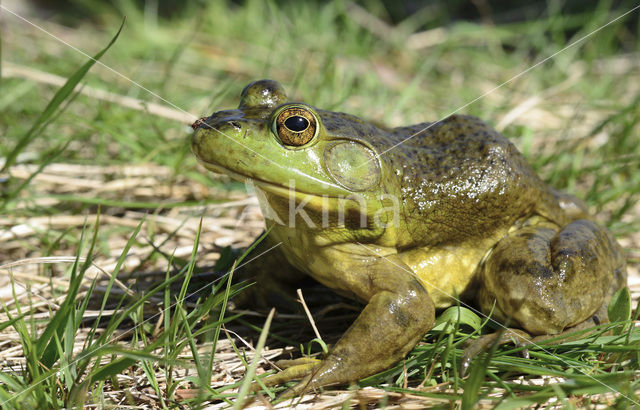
(398, 313)
(386, 330)
(483, 343)
(291, 370)
(521, 338)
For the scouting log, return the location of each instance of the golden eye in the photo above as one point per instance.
(295, 126)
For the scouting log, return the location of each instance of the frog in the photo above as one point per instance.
(408, 221)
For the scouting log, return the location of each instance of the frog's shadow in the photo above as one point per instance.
(331, 313)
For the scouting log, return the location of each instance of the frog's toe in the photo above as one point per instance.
(296, 390)
(484, 343)
(300, 362)
(312, 380)
(292, 370)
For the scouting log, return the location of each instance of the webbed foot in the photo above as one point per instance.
(483, 343)
(291, 370)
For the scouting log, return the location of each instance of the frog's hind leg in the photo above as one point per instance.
(547, 279)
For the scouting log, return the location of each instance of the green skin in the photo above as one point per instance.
(471, 218)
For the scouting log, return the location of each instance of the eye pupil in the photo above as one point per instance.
(295, 126)
(296, 123)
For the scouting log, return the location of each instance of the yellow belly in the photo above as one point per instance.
(446, 272)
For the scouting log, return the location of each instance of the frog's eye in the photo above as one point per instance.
(295, 126)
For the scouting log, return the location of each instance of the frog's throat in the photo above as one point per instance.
(311, 200)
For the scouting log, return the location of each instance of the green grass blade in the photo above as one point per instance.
(59, 97)
(45, 346)
(619, 309)
(473, 385)
(35, 387)
(216, 334)
(190, 268)
(11, 195)
(130, 357)
(33, 368)
(192, 345)
(251, 371)
(66, 362)
(116, 269)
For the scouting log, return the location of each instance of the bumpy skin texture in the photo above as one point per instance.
(403, 219)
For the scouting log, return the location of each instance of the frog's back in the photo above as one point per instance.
(460, 179)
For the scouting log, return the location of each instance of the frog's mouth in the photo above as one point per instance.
(266, 185)
(318, 202)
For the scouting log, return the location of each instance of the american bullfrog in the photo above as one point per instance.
(406, 220)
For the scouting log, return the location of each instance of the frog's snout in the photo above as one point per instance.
(208, 132)
(198, 123)
(220, 120)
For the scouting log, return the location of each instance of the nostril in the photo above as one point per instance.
(198, 122)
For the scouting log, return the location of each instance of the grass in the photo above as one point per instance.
(101, 178)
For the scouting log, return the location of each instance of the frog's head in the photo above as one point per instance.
(293, 150)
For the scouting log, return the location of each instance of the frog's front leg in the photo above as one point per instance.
(398, 313)
(547, 279)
